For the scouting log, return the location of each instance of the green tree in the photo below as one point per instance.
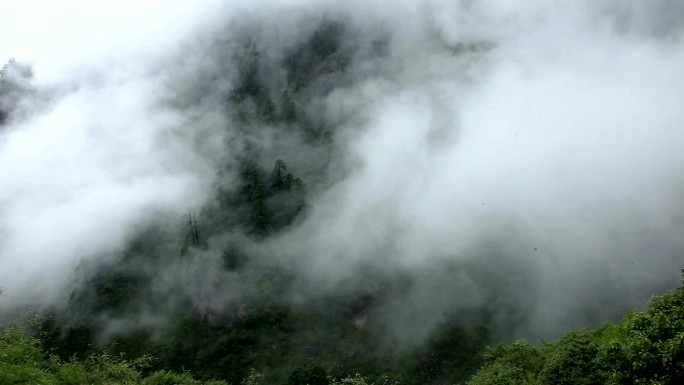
(24, 361)
(260, 218)
(320, 54)
(516, 364)
(572, 361)
(644, 348)
(313, 374)
(652, 347)
(192, 235)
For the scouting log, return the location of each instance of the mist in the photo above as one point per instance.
(520, 157)
(89, 154)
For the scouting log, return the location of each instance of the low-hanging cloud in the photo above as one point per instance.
(557, 149)
(90, 152)
(521, 155)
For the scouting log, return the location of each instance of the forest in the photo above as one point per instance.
(237, 290)
(643, 348)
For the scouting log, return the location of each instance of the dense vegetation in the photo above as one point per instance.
(23, 361)
(644, 348)
(199, 306)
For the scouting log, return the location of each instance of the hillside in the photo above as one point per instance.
(316, 192)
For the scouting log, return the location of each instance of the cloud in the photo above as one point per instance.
(60, 37)
(557, 150)
(520, 156)
(91, 153)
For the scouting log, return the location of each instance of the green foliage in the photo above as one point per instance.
(320, 54)
(261, 329)
(249, 83)
(313, 374)
(499, 373)
(644, 348)
(652, 347)
(23, 361)
(571, 360)
(253, 378)
(251, 92)
(114, 289)
(450, 355)
(288, 107)
(521, 354)
(271, 202)
(518, 363)
(260, 218)
(281, 180)
(357, 379)
(168, 378)
(20, 356)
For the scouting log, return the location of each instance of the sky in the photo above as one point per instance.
(56, 36)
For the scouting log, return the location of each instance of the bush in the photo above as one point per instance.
(23, 361)
(572, 361)
(313, 374)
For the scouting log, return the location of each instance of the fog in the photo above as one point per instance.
(519, 156)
